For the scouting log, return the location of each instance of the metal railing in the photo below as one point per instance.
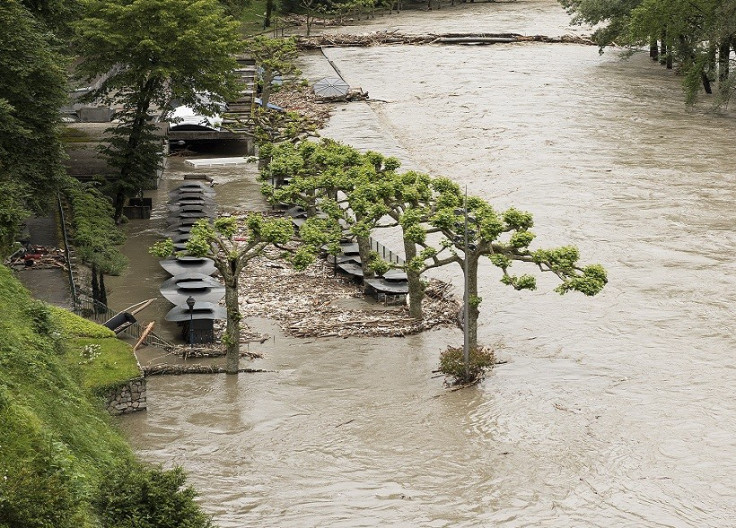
(67, 253)
(98, 312)
(385, 253)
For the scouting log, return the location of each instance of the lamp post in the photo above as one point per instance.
(190, 304)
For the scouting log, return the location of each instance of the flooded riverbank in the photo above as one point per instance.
(612, 411)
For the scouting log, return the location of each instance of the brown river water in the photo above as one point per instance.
(612, 411)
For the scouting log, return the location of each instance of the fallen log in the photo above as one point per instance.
(475, 40)
(177, 370)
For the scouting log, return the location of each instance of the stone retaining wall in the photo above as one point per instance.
(128, 398)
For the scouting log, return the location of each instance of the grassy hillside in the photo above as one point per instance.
(61, 461)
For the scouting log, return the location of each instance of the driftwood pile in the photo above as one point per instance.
(301, 99)
(306, 304)
(390, 37)
(38, 257)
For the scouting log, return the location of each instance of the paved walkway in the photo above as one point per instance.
(50, 285)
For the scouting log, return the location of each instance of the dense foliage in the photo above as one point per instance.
(357, 193)
(452, 364)
(698, 36)
(32, 88)
(147, 497)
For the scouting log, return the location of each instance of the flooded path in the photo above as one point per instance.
(612, 411)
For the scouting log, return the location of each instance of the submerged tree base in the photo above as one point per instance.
(452, 364)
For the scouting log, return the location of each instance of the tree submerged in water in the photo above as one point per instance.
(232, 243)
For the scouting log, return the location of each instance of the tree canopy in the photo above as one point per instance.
(145, 55)
(231, 243)
(32, 89)
(360, 193)
(699, 36)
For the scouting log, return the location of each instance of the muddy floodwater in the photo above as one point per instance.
(611, 411)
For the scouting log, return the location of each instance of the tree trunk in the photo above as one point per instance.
(416, 289)
(663, 48)
(103, 290)
(232, 330)
(706, 82)
(364, 248)
(95, 289)
(471, 325)
(267, 78)
(724, 54)
(269, 10)
(653, 49)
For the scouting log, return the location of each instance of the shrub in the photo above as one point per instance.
(137, 496)
(452, 364)
(40, 315)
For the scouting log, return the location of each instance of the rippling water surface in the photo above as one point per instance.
(613, 411)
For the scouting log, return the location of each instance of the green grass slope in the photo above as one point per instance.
(62, 464)
(56, 443)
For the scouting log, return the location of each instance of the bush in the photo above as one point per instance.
(137, 496)
(452, 364)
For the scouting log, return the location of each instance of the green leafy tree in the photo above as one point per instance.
(409, 205)
(337, 181)
(275, 56)
(611, 18)
(150, 53)
(96, 237)
(57, 15)
(32, 88)
(503, 238)
(232, 244)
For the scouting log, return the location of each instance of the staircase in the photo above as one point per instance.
(238, 117)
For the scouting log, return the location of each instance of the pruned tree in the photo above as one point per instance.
(232, 243)
(339, 182)
(503, 238)
(149, 53)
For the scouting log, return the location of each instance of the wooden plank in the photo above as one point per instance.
(144, 335)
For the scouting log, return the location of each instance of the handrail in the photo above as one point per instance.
(72, 285)
(99, 312)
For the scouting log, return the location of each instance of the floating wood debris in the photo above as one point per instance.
(390, 37)
(307, 304)
(38, 257)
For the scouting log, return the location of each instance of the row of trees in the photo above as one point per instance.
(698, 36)
(351, 195)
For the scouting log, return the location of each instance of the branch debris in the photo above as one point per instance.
(306, 304)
